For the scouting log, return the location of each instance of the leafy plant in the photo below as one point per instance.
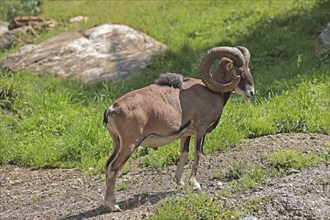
(237, 168)
(285, 160)
(193, 206)
(7, 98)
(51, 122)
(254, 178)
(122, 186)
(35, 198)
(11, 9)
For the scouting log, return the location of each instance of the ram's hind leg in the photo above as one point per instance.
(115, 150)
(183, 159)
(115, 162)
(199, 141)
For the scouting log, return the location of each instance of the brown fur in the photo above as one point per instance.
(158, 115)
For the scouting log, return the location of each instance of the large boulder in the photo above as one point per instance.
(102, 53)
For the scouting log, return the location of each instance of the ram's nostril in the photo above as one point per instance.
(252, 93)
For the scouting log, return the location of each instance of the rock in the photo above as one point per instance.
(102, 53)
(249, 218)
(291, 171)
(323, 41)
(10, 37)
(37, 23)
(79, 19)
(18, 29)
(3, 27)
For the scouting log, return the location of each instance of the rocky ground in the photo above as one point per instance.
(69, 194)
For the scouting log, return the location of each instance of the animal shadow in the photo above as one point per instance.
(131, 203)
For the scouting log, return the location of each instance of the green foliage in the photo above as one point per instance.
(50, 122)
(122, 186)
(193, 206)
(285, 160)
(58, 126)
(253, 205)
(10, 9)
(7, 98)
(237, 168)
(245, 175)
(35, 198)
(254, 178)
(162, 157)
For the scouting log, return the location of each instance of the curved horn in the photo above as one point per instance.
(217, 53)
(246, 53)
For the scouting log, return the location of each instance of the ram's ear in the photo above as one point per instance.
(229, 66)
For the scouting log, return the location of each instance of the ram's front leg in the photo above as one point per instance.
(199, 141)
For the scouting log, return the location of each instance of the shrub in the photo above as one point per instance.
(285, 160)
(11, 9)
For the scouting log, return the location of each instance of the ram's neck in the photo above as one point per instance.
(226, 97)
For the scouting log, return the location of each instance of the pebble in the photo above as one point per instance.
(249, 218)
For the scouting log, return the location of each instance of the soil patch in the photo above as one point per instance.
(69, 194)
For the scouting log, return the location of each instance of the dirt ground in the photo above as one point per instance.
(69, 194)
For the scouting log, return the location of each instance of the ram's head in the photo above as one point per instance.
(234, 67)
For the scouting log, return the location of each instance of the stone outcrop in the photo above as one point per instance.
(102, 53)
(37, 23)
(18, 35)
(21, 28)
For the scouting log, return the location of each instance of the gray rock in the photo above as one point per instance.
(79, 18)
(3, 27)
(323, 41)
(11, 37)
(102, 53)
(249, 218)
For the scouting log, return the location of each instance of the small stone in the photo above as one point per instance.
(292, 171)
(249, 218)
(219, 183)
(79, 19)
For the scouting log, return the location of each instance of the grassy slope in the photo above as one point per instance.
(55, 123)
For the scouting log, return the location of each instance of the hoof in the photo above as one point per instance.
(197, 189)
(196, 186)
(112, 207)
(180, 187)
(181, 183)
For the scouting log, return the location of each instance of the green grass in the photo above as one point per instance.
(193, 206)
(49, 122)
(54, 125)
(285, 160)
